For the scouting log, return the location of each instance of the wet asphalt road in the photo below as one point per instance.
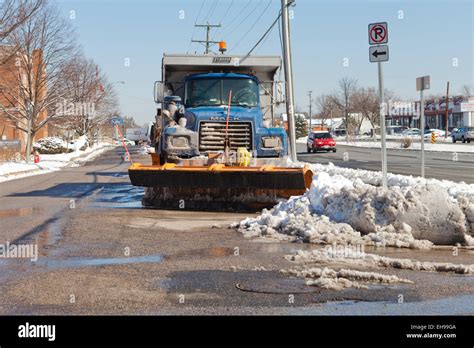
(101, 253)
(438, 165)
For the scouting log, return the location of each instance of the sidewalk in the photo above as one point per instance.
(50, 163)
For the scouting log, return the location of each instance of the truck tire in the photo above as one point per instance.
(463, 140)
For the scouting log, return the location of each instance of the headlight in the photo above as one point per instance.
(178, 141)
(271, 143)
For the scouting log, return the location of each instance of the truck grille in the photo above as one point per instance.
(212, 135)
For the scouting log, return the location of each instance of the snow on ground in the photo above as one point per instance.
(51, 163)
(349, 206)
(345, 268)
(441, 145)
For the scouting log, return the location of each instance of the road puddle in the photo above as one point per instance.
(87, 262)
(212, 252)
(118, 196)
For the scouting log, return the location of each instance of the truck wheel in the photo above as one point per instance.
(463, 140)
(468, 141)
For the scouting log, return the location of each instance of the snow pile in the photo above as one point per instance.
(344, 278)
(454, 189)
(81, 143)
(51, 146)
(337, 209)
(330, 256)
(345, 268)
(50, 163)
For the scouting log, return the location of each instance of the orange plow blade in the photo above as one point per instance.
(218, 187)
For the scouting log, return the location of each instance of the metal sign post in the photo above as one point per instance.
(422, 83)
(378, 34)
(382, 126)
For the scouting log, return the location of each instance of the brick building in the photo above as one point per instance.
(11, 73)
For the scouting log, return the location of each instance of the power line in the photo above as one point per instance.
(227, 11)
(251, 27)
(265, 39)
(232, 21)
(211, 10)
(195, 22)
(246, 17)
(265, 34)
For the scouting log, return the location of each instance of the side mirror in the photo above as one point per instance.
(279, 92)
(159, 91)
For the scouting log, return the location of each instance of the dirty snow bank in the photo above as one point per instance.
(313, 266)
(337, 209)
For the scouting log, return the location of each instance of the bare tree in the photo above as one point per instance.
(466, 90)
(343, 99)
(366, 101)
(31, 84)
(326, 107)
(89, 101)
(13, 13)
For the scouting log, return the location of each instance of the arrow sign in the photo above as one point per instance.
(378, 53)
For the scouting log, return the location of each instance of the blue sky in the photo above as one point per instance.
(426, 37)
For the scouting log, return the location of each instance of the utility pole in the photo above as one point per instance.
(447, 111)
(290, 112)
(310, 114)
(208, 41)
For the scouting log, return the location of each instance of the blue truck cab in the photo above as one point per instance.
(194, 115)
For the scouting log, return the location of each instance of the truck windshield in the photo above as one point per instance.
(211, 91)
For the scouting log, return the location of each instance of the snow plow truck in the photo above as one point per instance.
(216, 147)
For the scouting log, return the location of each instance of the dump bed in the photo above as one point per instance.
(175, 67)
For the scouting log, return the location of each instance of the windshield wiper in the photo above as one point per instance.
(245, 105)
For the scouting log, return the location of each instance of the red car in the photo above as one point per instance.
(321, 141)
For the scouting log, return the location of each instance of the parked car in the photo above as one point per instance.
(438, 133)
(463, 134)
(395, 130)
(126, 141)
(321, 141)
(411, 132)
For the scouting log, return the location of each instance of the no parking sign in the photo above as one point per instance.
(378, 33)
